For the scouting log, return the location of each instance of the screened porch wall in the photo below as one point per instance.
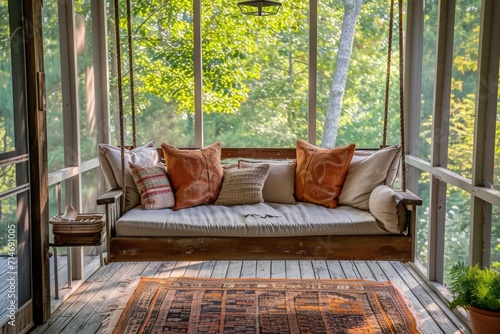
(443, 69)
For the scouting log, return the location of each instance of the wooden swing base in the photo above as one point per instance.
(393, 248)
(329, 247)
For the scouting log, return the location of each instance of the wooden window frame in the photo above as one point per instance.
(482, 196)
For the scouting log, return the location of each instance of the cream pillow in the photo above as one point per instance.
(386, 206)
(243, 186)
(280, 183)
(111, 166)
(366, 171)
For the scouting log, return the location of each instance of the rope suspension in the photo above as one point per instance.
(388, 74)
(120, 98)
(401, 96)
(120, 88)
(401, 86)
(131, 73)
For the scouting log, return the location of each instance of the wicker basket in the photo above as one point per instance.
(86, 230)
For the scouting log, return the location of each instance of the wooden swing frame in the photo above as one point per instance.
(329, 247)
(398, 247)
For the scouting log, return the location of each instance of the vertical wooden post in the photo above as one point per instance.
(71, 116)
(313, 66)
(100, 58)
(101, 68)
(413, 79)
(38, 162)
(485, 127)
(440, 134)
(198, 75)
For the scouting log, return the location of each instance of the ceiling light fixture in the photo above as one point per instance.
(259, 7)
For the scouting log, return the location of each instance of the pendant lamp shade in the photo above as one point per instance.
(259, 7)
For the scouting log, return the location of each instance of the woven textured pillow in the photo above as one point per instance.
(368, 170)
(320, 172)
(110, 162)
(153, 185)
(243, 186)
(195, 175)
(280, 182)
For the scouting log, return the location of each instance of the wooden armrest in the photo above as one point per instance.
(410, 198)
(109, 197)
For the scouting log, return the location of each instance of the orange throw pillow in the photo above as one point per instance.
(195, 175)
(321, 172)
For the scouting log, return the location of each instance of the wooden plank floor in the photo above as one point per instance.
(4, 286)
(81, 312)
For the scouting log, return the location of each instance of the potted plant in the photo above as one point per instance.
(478, 291)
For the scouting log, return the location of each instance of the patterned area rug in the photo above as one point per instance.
(194, 305)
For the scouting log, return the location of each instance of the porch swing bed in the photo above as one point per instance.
(367, 220)
(260, 231)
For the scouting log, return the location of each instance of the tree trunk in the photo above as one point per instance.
(351, 13)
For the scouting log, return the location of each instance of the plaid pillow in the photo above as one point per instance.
(153, 185)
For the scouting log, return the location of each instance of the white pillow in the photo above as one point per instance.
(368, 170)
(280, 183)
(111, 166)
(386, 206)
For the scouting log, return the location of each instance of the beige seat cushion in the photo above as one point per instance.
(280, 183)
(366, 171)
(255, 220)
(111, 166)
(243, 186)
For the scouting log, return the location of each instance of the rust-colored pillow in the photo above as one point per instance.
(195, 175)
(321, 172)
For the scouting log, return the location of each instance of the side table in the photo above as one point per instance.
(86, 230)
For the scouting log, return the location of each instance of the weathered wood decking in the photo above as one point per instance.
(80, 313)
(5, 275)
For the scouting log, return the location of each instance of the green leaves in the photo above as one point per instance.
(255, 68)
(473, 286)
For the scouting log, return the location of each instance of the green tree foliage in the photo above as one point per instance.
(86, 80)
(255, 73)
(53, 89)
(463, 86)
(162, 36)
(254, 70)
(460, 145)
(361, 118)
(428, 76)
(8, 206)
(352, 9)
(274, 111)
(6, 107)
